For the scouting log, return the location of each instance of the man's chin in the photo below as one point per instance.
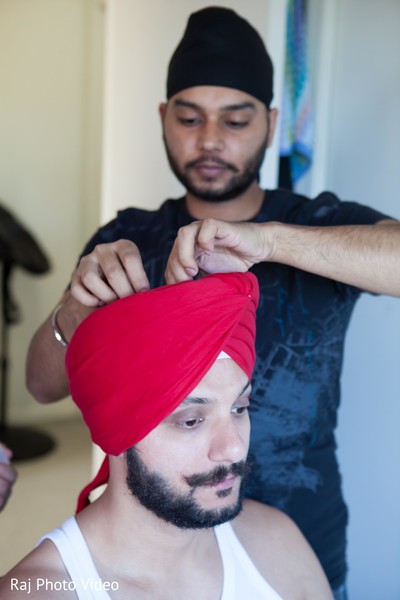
(214, 194)
(226, 508)
(219, 191)
(213, 518)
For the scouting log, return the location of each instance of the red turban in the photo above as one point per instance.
(131, 363)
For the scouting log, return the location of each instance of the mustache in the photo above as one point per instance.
(211, 159)
(239, 469)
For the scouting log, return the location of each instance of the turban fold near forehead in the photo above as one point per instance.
(131, 363)
(221, 48)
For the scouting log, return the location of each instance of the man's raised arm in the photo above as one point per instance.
(111, 271)
(46, 379)
(365, 256)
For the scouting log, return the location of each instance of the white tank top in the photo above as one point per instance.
(241, 578)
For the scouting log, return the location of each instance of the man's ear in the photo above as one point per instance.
(162, 110)
(272, 116)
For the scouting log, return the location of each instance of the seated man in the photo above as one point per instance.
(163, 382)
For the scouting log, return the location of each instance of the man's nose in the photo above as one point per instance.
(210, 137)
(229, 443)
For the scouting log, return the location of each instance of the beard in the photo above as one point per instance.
(240, 181)
(182, 510)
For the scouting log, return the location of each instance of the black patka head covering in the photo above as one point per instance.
(221, 48)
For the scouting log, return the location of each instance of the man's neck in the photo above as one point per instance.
(241, 208)
(128, 535)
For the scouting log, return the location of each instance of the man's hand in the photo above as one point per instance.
(8, 475)
(216, 247)
(364, 256)
(110, 271)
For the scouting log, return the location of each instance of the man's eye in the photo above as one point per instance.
(188, 121)
(189, 423)
(237, 124)
(240, 410)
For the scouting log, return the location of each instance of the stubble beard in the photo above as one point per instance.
(240, 181)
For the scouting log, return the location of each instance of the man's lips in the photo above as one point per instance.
(222, 475)
(209, 167)
(227, 483)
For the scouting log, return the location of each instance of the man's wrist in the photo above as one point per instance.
(66, 317)
(269, 241)
(57, 332)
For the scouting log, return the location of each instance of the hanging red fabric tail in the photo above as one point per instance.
(101, 478)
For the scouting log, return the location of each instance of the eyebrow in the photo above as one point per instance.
(190, 400)
(194, 400)
(228, 108)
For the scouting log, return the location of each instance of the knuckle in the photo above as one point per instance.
(96, 252)
(126, 247)
(85, 279)
(83, 262)
(130, 258)
(182, 233)
(112, 272)
(189, 230)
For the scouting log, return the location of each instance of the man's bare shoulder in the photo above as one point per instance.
(258, 522)
(40, 575)
(280, 552)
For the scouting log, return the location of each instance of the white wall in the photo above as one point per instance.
(355, 50)
(363, 165)
(50, 72)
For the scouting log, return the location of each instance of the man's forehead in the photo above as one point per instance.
(194, 399)
(219, 97)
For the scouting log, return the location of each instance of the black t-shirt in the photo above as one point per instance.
(301, 325)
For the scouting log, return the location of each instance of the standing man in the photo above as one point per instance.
(312, 260)
(163, 382)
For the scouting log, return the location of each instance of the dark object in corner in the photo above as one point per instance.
(18, 248)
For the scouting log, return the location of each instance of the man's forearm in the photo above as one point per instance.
(46, 378)
(365, 256)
